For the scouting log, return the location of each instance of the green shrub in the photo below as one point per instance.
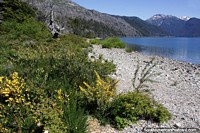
(99, 95)
(27, 29)
(90, 35)
(74, 116)
(121, 122)
(129, 50)
(134, 106)
(113, 43)
(95, 41)
(96, 97)
(141, 77)
(48, 114)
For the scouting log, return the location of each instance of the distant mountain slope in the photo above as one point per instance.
(92, 28)
(81, 21)
(175, 26)
(145, 28)
(192, 28)
(66, 11)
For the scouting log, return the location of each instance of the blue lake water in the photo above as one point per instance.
(183, 49)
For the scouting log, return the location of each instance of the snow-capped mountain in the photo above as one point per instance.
(159, 19)
(182, 26)
(185, 18)
(161, 16)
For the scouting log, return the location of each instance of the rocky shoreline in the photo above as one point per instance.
(177, 87)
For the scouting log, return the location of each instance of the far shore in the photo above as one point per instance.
(177, 87)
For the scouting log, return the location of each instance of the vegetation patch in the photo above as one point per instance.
(129, 50)
(113, 43)
(128, 108)
(95, 41)
(99, 95)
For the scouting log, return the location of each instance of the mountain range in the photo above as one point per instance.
(174, 26)
(79, 20)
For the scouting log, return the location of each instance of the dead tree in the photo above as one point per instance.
(48, 14)
(54, 28)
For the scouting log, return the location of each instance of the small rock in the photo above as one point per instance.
(182, 118)
(177, 125)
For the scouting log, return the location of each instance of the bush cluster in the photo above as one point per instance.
(110, 42)
(52, 69)
(129, 50)
(95, 41)
(113, 43)
(128, 108)
(100, 94)
(28, 29)
(14, 102)
(23, 110)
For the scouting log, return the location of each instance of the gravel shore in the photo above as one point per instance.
(178, 87)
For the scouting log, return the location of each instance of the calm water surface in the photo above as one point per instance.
(183, 49)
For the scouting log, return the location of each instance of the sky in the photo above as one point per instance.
(144, 8)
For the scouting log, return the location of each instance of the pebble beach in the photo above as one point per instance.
(177, 88)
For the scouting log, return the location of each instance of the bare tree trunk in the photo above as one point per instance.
(48, 6)
(53, 26)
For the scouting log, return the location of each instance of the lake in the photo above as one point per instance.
(183, 49)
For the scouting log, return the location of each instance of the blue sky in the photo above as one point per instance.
(144, 8)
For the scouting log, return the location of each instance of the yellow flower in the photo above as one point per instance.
(23, 100)
(8, 81)
(53, 104)
(1, 79)
(5, 93)
(9, 100)
(15, 75)
(7, 89)
(31, 106)
(59, 92)
(59, 97)
(28, 103)
(82, 89)
(17, 100)
(15, 81)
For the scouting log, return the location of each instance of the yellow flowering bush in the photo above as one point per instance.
(101, 93)
(20, 112)
(14, 102)
(12, 89)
